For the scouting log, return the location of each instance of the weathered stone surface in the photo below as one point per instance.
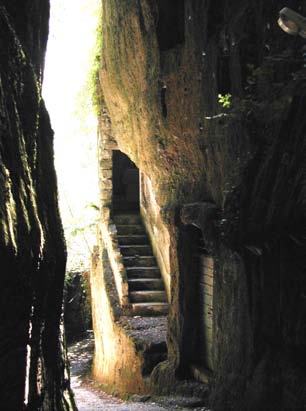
(110, 145)
(248, 159)
(105, 155)
(203, 216)
(32, 249)
(106, 174)
(105, 164)
(106, 195)
(118, 373)
(106, 184)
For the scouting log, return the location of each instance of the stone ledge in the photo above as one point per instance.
(148, 334)
(109, 235)
(145, 331)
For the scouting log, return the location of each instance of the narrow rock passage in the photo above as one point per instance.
(89, 398)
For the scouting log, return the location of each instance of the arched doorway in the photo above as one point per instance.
(125, 183)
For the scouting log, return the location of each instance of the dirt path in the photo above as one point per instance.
(90, 399)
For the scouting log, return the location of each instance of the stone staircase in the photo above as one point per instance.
(147, 293)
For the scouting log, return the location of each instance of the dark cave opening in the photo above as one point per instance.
(125, 183)
(171, 23)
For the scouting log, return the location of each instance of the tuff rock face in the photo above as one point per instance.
(32, 249)
(163, 65)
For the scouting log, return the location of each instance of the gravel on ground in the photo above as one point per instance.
(89, 398)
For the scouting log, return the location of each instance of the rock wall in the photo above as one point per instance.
(157, 230)
(118, 360)
(33, 368)
(211, 110)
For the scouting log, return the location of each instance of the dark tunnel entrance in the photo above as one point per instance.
(171, 23)
(125, 183)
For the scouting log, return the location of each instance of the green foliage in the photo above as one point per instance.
(77, 304)
(225, 100)
(80, 233)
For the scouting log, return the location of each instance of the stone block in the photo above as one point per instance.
(105, 213)
(208, 280)
(106, 136)
(116, 252)
(105, 155)
(107, 203)
(106, 174)
(207, 262)
(208, 335)
(105, 164)
(208, 310)
(112, 230)
(106, 195)
(121, 267)
(106, 184)
(111, 145)
(115, 244)
(207, 298)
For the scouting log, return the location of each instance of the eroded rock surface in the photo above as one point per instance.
(212, 110)
(32, 249)
(89, 397)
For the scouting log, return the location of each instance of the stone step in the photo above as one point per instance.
(136, 250)
(146, 284)
(149, 309)
(139, 261)
(146, 288)
(132, 229)
(148, 296)
(143, 272)
(127, 219)
(133, 239)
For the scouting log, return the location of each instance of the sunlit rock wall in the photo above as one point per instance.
(32, 252)
(157, 230)
(164, 65)
(117, 361)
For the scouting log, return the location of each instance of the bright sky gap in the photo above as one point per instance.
(72, 36)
